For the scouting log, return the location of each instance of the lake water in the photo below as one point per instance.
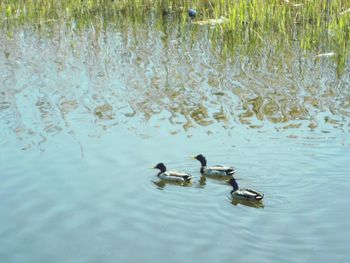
(85, 113)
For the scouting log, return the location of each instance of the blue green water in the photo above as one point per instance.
(84, 115)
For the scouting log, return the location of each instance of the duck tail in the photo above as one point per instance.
(187, 178)
(259, 197)
(230, 172)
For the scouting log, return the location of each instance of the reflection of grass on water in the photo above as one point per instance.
(316, 22)
(264, 37)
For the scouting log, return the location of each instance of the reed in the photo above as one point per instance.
(319, 25)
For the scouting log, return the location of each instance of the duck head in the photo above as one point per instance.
(161, 167)
(201, 159)
(192, 13)
(233, 183)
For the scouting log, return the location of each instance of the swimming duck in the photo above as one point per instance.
(247, 194)
(172, 175)
(217, 170)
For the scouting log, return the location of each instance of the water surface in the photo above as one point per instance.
(85, 113)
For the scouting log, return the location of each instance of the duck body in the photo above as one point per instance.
(216, 170)
(174, 176)
(246, 194)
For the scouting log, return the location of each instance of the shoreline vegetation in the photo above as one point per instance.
(320, 25)
(298, 49)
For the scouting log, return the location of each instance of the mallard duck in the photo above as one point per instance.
(217, 170)
(172, 175)
(247, 194)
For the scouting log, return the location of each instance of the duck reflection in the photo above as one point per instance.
(250, 203)
(161, 184)
(202, 182)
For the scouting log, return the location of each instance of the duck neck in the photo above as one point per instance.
(203, 162)
(234, 185)
(202, 169)
(162, 170)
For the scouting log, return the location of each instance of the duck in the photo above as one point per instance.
(176, 176)
(246, 194)
(192, 13)
(217, 170)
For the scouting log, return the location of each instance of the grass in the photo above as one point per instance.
(318, 25)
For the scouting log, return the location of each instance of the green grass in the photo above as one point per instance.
(318, 25)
